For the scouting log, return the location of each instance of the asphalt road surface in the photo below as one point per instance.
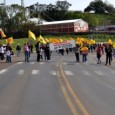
(57, 87)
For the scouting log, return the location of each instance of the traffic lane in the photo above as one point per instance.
(44, 95)
(15, 59)
(11, 97)
(94, 92)
(32, 91)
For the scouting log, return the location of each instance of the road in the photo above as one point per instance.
(58, 87)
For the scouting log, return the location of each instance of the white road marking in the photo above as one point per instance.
(3, 71)
(85, 72)
(20, 72)
(19, 62)
(32, 62)
(35, 72)
(41, 63)
(52, 72)
(68, 72)
(99, 73)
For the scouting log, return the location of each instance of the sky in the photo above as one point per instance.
(79, 5)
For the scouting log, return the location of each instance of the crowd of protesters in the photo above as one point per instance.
(6, 51)
(98, 48)
(43, 52)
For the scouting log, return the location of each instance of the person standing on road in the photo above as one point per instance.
(84, 52)
(26, 52)
(47, 52)
(1, 52)
(99, 52)
(108, 51)
(9, 49)
(37, 46)
(8, 56)
(77, 51)
(18, 49)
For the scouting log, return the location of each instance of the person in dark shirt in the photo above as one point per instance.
(108, 51)
(18, 49)
(77, 52)
(38, 51)
(47, 52)
(99, 53)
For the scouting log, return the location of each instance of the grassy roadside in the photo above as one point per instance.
(21, 41)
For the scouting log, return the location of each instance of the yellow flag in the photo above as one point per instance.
(47, 40)
(10, 40)
(70, 38)
(2, 33)
(54, 40)
(31, 35)
(84, 49)
(41, 39)
(110, 41)
(61, 40)
(113, 45)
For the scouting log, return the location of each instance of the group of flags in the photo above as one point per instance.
(40, 38)
(31, 35)
(2, 33)
(8, 40)
(45, 40)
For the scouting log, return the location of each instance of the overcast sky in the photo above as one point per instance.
(76, 4)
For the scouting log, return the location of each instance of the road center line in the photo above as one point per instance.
(75, 97)
(68, 100)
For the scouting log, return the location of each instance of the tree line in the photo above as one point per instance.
(14, 18)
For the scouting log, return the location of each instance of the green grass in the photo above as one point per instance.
(21, 41)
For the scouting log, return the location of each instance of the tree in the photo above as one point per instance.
(3, 18)
(56, 12)
(91, 19)
(100, 7)
(11, 17)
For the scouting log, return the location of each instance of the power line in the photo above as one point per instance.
(48, 17)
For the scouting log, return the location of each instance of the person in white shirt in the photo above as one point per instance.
(1, 52)
(8, 56)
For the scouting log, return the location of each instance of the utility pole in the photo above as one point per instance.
(22, 3)
(4, 2)
(39, 17)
